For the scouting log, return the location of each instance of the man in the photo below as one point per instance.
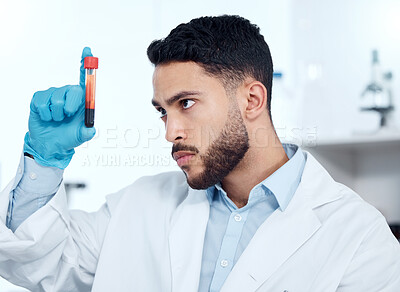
(247, 214)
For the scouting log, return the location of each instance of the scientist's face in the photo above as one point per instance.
(203, 123)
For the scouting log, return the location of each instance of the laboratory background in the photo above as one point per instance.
(336, 88)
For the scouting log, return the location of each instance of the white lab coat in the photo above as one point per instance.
(149, 237)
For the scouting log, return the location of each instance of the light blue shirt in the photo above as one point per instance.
(229, 229)
(36, 187)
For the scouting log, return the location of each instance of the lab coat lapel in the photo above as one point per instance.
(186, 240)
(274, 242)
(284, 232)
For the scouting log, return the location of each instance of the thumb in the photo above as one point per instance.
(86, 134)
(85, 53)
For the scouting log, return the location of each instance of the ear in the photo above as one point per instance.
(256, 100)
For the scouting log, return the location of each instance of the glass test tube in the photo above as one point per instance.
(90, 64)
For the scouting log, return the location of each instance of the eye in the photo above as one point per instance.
(162, 112)
(187, 103)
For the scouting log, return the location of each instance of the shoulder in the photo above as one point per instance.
(341, 210)
(352, 212)
(375, 257)
(353, 235)
(324, 193)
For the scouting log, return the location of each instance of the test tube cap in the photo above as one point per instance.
(91, 63)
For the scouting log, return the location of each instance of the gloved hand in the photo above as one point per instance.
(56, 122)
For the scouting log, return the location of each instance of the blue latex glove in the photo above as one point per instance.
(56, 122)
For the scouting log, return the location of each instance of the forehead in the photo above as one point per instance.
(172, 78)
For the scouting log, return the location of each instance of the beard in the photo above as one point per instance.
(224, 153)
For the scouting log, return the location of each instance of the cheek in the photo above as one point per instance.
(209, 133)
(205, 126)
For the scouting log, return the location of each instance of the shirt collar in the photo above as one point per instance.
(282, 183)
(285, 180)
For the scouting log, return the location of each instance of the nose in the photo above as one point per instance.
(174, 129)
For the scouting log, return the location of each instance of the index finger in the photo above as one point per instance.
(85, 53)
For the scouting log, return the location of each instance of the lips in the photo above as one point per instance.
(182, 157)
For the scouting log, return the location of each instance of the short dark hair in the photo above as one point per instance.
(228, 47)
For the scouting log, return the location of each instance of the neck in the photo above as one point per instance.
(257, 164)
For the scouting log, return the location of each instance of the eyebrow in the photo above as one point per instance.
(176, 97)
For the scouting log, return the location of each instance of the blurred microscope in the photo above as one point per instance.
(377, 96)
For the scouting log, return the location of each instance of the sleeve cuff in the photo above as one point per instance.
(38, 179)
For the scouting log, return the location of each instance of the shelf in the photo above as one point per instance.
(356, 142)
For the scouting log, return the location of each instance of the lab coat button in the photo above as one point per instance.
(238, 218)
(224, 263)
(33, 175)
(19, 170)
